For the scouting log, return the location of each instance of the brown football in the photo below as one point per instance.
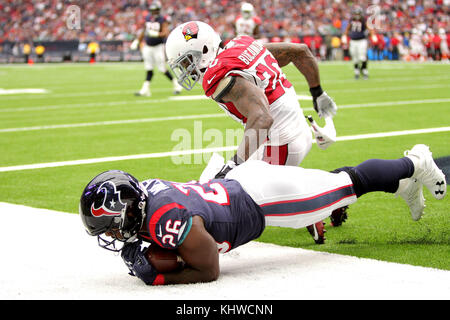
(164, 260)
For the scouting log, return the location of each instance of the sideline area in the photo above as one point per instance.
(48, 255)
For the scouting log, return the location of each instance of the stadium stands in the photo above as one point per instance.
(315, 22)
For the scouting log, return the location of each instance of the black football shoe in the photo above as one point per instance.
(317, 231)
(339, 216)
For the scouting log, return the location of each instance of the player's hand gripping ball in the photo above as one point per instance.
(163, 260)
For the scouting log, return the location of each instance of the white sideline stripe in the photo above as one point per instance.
(114, 122)
(198, 151)
(245, 271)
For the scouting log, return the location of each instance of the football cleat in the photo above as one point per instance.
(338, 216)
(426, 171)
(143, 94)
(410, 189)
(317, 231)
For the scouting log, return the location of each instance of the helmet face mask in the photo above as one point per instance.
(186, 69)
(113, 203)
(190, 49)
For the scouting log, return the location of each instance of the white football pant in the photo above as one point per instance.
(294, 197)
(290, 138)
(154, 56)
(358, 50)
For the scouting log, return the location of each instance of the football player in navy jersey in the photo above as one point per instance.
(357, 31)
(154, 34)
(201, 220)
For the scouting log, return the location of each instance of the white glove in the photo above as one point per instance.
(134, 45)
(215, 164)
(153, 33)
(325, 106)
(325, 136)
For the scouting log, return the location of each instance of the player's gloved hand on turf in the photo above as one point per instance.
(134, 257)
(323, 104)
(230, 165)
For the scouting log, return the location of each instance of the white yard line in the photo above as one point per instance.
(23, 91)
(394, 103)
(52, 95)
(214, 115)
(201, 151)
(114, 122)
(118, 158)
(202, 97)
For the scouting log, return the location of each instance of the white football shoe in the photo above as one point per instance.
(145, 90)
(426, 171)
(411, 191)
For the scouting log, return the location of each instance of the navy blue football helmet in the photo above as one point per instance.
(114, 202)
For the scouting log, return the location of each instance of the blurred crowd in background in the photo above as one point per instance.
(318, 23)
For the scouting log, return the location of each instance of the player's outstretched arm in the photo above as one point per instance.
(199, 252)
(305, 62)
(300, 56)
(252, 104)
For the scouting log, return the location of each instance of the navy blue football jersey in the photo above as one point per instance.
(357, 29)
(154, 23)
(229, 213)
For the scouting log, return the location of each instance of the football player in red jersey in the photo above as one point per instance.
(246, 80)
(247, 23)
(200, 220)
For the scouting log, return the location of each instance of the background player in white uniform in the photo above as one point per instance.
(443, 44)
(247, 23)
(246, 79)
(418, 50)
(155, 34)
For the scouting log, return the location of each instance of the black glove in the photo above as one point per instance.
(230, 165)
(134, 257)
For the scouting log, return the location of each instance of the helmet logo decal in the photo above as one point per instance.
(190, 31)
(112, 204)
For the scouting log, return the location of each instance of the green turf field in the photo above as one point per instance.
(83, 116)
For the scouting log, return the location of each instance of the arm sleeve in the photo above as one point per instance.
(169, 225)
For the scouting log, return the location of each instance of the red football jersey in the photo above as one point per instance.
(245, 57)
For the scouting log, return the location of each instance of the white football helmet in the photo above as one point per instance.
(190, 48)
(247, 10)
